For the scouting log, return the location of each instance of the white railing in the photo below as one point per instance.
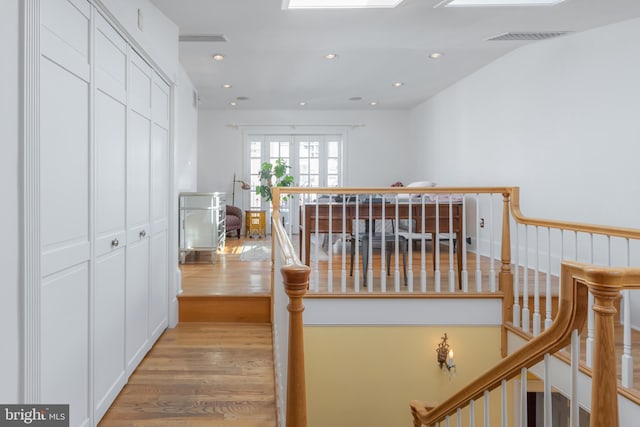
(383, 240)
(539, 246)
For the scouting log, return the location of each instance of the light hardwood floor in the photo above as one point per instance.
(201, 374)
(225, 273)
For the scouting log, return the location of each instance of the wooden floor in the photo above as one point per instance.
(202, 374)
(208, 374)
(225, 273)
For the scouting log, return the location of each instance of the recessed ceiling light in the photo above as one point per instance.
(233, 103)
(227, 85)
(218, 57)
(435, 55)
(338, 4)
(331, 56)
(302, 103)
(355, 98)
(398, 84)
(373, 103)
(476, 3)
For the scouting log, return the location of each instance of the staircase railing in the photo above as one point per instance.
(288, 329)
(538, 247)
(576, 281)
(523, 264)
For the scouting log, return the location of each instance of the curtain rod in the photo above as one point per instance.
(295, 125)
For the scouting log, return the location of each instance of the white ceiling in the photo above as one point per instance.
(275, 57)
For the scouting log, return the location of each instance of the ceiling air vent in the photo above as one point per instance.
(528, 36)
(203, 38)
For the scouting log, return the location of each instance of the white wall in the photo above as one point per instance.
(376, 153)
(10, 214)
(158, 36)
(558, 118)
(186, 144)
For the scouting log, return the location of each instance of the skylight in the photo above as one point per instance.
(338, 4)
(469, 3)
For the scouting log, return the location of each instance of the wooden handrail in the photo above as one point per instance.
(392, 190)
(576, 280)
(630, 233)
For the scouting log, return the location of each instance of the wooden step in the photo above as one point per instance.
(225, 308)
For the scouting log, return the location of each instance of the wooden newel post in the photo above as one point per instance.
(604, 387)
(505, 277)
(296, 283)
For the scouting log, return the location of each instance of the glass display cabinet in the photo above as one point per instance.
(202, 223)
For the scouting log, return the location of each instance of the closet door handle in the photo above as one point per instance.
(115, 243)
(142, 234)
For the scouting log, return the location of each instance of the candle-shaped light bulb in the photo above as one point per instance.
(450, 357)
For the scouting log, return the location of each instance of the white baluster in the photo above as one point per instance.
(492, 269)
(383, 249)
(487, 409)
(436, 246)
(452, 273)
(525, 280)
(372, 226)
(356, 261)
(446, 421)
(396, 275)
(591, 315)
(627, 359)
(463, 242)
(478, 269)
(503, 406)
(547, 391)
(548, 298)
(303, 242)
(330, 249)
(516, 279)
(316, 274)
(472, 414)
(343, 282)
(523, 397)
(423, 250)
(459, 416)
(536, 288)
(573, 396)
(409, 247)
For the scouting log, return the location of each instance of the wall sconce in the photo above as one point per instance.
(445, 355)
(244, 186)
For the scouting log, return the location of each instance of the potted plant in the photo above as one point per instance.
(273, 175)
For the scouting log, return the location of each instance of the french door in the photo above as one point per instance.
(314, 160)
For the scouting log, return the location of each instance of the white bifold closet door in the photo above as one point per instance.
(138, 232)
(104, 178)
(64, 176)
(159, 207)
(110, 118)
